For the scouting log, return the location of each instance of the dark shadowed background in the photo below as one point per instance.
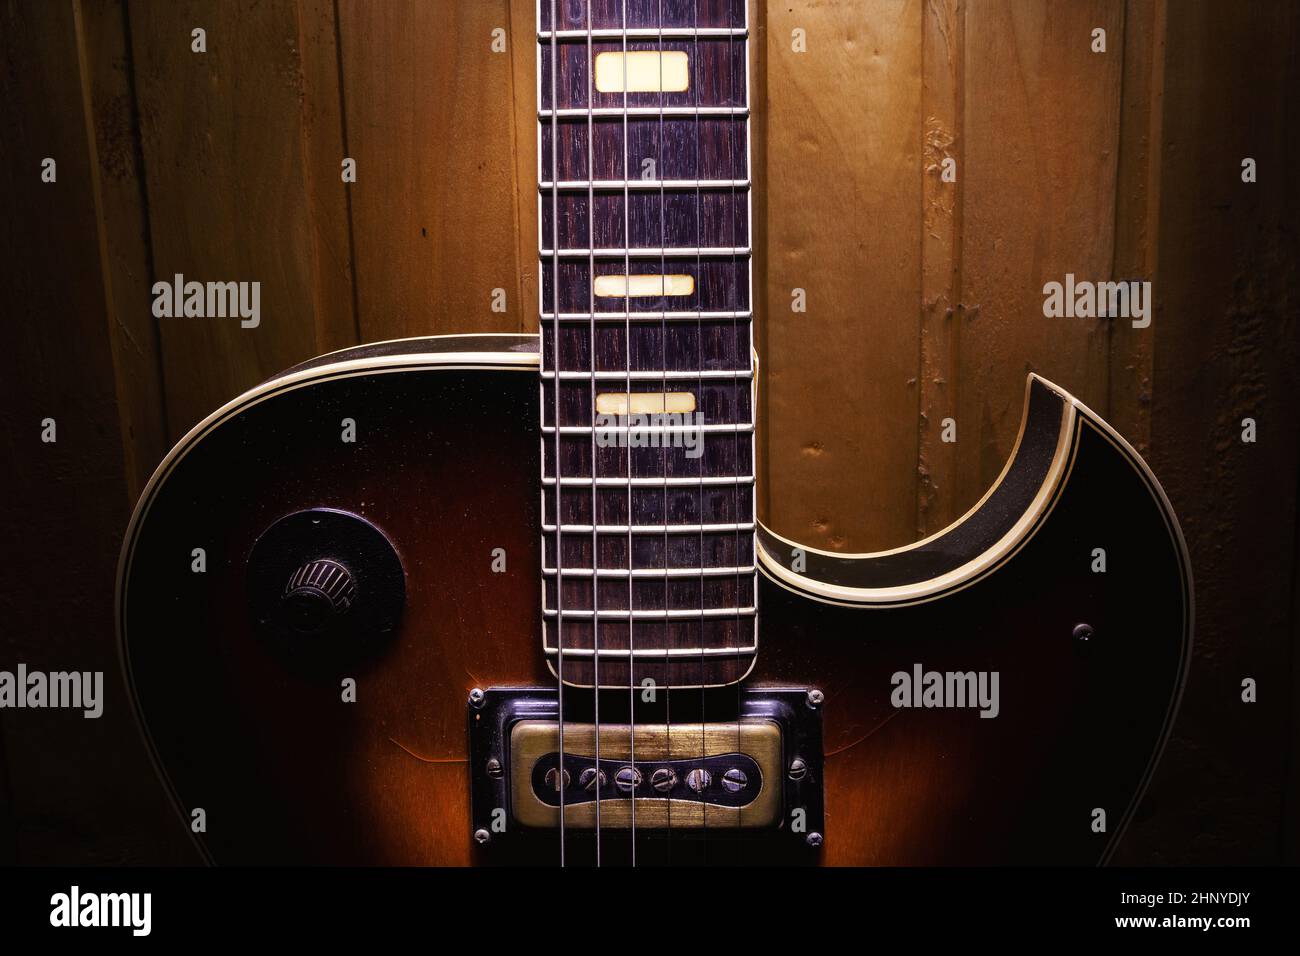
(924, 303)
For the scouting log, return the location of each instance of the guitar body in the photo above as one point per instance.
(352, 745)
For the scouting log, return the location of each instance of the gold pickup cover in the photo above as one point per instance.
(759, 739)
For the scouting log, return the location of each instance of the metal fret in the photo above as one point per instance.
(740, 428)
(655, 529)
(585, 317)
(612, 185)
(651, 652)
(653, 112)
(645, 252)
(645, 33)
(652, 572)
(653, 482)
(638, 376)
(658, 615)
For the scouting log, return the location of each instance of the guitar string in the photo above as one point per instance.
(556, 417)
(699, 365)
(627, 362)
(591, 355)
(663, 364)
(734, 286)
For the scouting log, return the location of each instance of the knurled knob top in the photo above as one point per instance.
(316, 594)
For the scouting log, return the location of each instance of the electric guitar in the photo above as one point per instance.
(480, 599)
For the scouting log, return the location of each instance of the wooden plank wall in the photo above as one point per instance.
(923, 297)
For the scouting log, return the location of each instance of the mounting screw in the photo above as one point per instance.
(815, 698)
(1083, 632)
(798, 769)
(493, 767)
(813, 839)
(476, 697)
(482, 836)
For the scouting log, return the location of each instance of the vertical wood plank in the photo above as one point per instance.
(523, 96)
(430, 120)
(229, 192)
(1227, 348)
(1137, 213)
(82, 790)
(844, 205)
(127, 252)
(324, 147)
(1041, 137)
(943, 41)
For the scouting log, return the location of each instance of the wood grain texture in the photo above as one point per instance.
(127, 249)
(229, 194)
(79, 788)
(522, 189)
(1227, 348)
(324, 144)
(430, 121)
(1137, 213)
(941, 313)
(843, 187)
(1041, 133)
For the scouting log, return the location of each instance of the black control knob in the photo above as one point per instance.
(326, 590)
(317, 595)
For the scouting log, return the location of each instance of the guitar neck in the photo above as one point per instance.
(647, 371)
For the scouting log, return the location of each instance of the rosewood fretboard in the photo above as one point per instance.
(643, 119)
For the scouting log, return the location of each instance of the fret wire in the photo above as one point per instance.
(646, 33)
(642, 614)
(616, 184)
(644, 252)
(640, 376)
(658, 112)
(650, 572)
(738, 428)
(646, 316)
(644, 481)
(654, 652)
(665, 529)
(635, 482)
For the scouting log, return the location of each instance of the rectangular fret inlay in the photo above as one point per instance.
(647, 378)
(642, 71)
(644, 403)
(643, 286)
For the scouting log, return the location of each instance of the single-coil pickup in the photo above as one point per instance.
(724, 780)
